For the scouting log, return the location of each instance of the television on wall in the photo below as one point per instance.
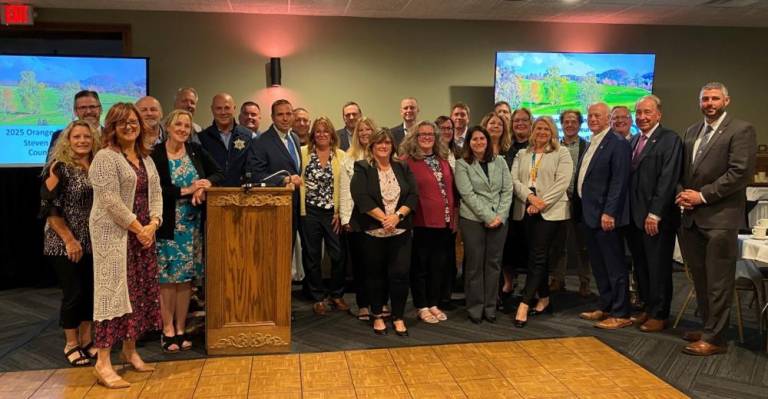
(548, 83)
(37, 97)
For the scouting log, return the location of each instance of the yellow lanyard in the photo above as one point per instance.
(535, 168)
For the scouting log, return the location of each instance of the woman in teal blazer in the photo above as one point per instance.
(485, 185)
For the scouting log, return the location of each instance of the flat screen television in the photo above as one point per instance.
(549, 83)
(37, 96)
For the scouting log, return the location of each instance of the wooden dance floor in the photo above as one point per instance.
(580, 367)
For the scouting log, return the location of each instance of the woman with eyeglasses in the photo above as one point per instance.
(127, 211)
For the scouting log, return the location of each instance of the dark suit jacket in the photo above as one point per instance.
(232, 160)
(206, 168)
(654, 181)
(344, 137)
(721, 173)
(398, 132)
(366, 194)
(606, 181)
(269, 155)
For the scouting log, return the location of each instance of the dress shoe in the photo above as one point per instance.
(703, 348)
(145, 368)
(475, 320)
(653, 325)
(340, 304)
(692, 336)
(595, 315)
(584, 290)
(401, 333)
(377, 331)
(520, 323)
(490, 319)
(319, 308)
(111, 382)
(639, 318)
(556, 285)
(547, 310)
(614, 323)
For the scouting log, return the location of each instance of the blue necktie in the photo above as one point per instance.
(292, 151)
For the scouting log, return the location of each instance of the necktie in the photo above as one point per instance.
(292, 151)
(705, 137)
(638, 150)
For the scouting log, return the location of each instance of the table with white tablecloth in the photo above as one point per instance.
(760, 210)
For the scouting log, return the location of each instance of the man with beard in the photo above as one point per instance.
(87, 107)
(152, 113)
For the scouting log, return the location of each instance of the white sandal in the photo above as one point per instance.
(438, 313)
(426, 316)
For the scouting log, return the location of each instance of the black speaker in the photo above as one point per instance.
(275, 75)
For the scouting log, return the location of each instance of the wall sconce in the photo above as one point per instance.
(274, 73)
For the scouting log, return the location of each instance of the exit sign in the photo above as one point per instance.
(16, 14)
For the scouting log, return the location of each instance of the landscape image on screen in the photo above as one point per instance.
(548, 83)
(37, 96)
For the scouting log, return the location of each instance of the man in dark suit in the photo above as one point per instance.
(718, 162)
(87, 107)
(601, 187)
(409, 111)
(657, 156)
(227, 142)
(276, 156)
(351, 113)
(250, 117)
(569, 247)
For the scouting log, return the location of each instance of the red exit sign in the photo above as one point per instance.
(16, 14)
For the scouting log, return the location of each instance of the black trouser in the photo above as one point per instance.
(515, 247)
(540, 234)
(609, 266)
(389, 261)
(449, 277)
(429, 265)
(711, 257)
(76, 281)
(652, 258)
(355, 245)
(317, 227)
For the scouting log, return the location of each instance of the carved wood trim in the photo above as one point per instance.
(252, 340)
(247, 200)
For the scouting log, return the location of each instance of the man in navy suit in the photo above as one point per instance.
(227, 142)
(409, 111)
(351, 113)
(277, 150)
(601, 187)
(657, 158)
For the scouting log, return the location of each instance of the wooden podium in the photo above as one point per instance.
(248, 271)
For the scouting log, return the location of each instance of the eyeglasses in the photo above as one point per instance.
(132, 123)
(87, 107)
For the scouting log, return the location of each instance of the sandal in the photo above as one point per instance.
(386, 311)
(80, 361)
(87, 351)
(439, 314)
(363, 314)
(426, 316)
(166, 342)
(185, 339)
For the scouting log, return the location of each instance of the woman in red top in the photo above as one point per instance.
(434, 219)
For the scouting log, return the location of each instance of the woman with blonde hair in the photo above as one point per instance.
(127, 210)
(351, 235)
(434, 220)
(501, 138)
(541, 174)
(66, 200)
(320, 222)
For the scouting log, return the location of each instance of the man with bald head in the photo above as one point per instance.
(227, 142)
(601, 191)
(152, 113)
(409, 112)
(621, 121)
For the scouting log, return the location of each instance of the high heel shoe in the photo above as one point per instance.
(520, 323)
(116, 383)
(143, 369)
(547, 310)
(401, 333)
(376, 331)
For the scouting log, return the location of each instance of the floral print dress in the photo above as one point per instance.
(181, 260)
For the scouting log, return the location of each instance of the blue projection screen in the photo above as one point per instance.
(37, 97)
(549, 83)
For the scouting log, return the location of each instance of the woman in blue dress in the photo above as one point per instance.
(185, 170)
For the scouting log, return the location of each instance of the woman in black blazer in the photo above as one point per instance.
(185, 171)
(385, 193)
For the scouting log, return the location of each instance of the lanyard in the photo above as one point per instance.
(535, 169)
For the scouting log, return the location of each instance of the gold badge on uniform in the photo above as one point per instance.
(239, 144)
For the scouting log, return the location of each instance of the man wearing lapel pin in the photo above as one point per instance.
(657, 156)
(601, 188)
(718, 161)
(276, 150)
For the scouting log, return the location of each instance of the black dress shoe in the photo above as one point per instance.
(474, 320)
(490, 319)
(376, 331)
(547, 310)
(520, 323)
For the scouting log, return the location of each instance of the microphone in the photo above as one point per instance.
(282, 172)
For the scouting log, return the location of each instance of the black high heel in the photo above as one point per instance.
(547, 310)
(401, 333)
(376, 331)
(520, 323)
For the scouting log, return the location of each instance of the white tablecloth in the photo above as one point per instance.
(760, 211)
(752, 249)
(757, 193)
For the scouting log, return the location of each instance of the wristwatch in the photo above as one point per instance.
(400, 215)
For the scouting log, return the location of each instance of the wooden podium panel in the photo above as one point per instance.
(248, 271)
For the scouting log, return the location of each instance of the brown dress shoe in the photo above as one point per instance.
(639, 318)
(703, 348)
(319, 308)
(613, 323)
(595, 315)
(584, 290)
(340, 304)
(556, 285)
(692, 336)
(653, 325)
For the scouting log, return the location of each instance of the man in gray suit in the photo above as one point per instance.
(718, 161)
(351, 113)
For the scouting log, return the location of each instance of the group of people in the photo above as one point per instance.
(124, 221)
